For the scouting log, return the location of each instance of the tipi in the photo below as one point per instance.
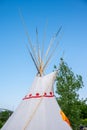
(39, 109)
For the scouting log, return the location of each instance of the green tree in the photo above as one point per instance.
(67, 87)
(4, 115)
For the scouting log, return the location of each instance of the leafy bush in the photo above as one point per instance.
(84, 122)
(4, 115)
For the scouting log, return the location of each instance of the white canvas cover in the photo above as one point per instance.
(39, 109)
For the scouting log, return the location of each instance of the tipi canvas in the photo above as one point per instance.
(39, 109)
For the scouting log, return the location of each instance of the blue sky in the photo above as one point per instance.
(17, 70)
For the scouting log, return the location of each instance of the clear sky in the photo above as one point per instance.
(17, 70)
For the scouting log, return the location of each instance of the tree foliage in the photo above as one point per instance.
(67, 87)
(4, 115)
(83, 108)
